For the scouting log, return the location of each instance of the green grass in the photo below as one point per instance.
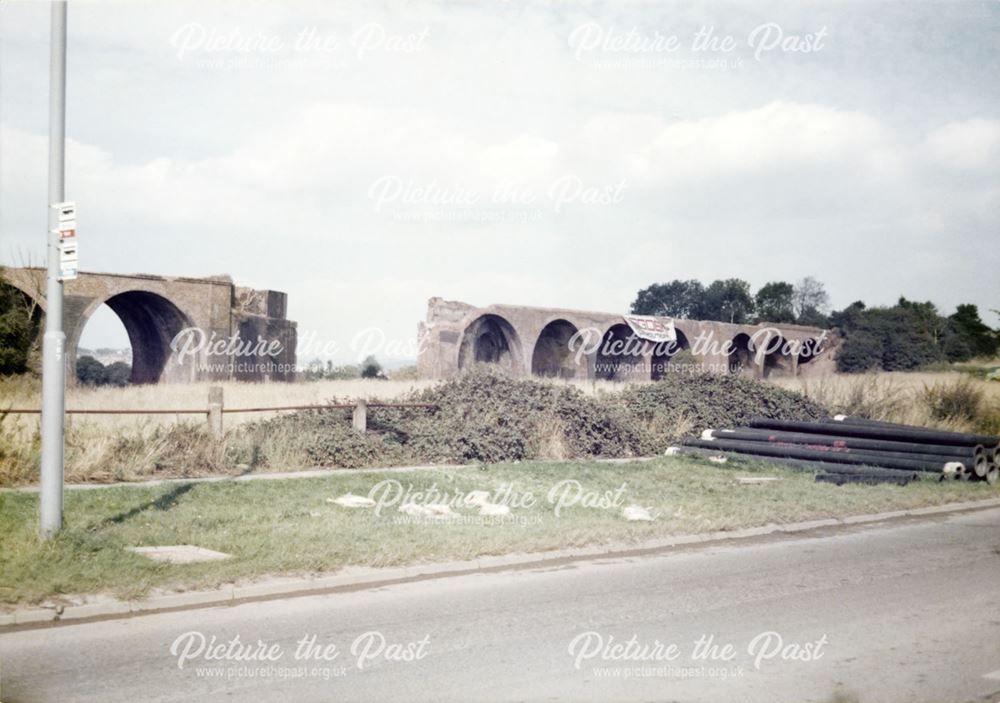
(287, 527)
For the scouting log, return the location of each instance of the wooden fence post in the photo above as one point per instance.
(360, 421)
(215, 411)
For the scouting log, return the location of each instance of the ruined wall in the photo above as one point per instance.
(591, 345)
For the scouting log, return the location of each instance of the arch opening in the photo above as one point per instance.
(104, 352)
(151, 323)
(664, 354)
(777, 359)
(621, 355)
(490, 339)
(811, 348)
(552, 357)
(741, 354)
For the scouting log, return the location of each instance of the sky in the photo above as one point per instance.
(364, 157)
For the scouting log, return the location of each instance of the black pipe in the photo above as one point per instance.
(759, 435)
(986, 440)
(797, 452)
(868, 479)
(873, 432)
(934, 460)
(807, 465)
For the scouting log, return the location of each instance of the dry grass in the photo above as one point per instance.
(910, 397)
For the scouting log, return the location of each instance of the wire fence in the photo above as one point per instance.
(215, 409)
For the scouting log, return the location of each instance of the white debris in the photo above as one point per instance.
(477, 498)
(494, 509)
(635, 513)
(349, 500)
(718, 459)
(672, 451)
(953, 468)
(434, 511)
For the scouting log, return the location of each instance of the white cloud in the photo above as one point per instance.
(972, 145)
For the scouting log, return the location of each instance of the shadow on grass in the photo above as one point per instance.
(165, 502)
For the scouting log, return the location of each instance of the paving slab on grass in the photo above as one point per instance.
(180, 553)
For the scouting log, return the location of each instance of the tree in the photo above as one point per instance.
(899, 338)
(18, 329)
(811, 317)
(775, 302)
(90, 371)
(117, 374)
(728, 301)
(370, 368)
(978, 337)
(684, 299)
(809, 299)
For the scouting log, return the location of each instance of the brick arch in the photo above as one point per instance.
(152, 321)
(491, 339)
(552, 355)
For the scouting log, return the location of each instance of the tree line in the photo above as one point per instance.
(901, 337)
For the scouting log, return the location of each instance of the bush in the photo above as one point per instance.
(91, 372)
(962, 399)
(18, 330)
(370, 368)
(484, 415)
(681, 403)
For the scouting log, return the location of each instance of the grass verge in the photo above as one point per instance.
(288, 527)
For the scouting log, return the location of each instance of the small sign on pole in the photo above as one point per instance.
(69, 262)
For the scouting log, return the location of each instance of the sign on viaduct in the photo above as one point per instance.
(156, 309)
(591, 345)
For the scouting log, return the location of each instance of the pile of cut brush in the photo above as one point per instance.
(854, 450)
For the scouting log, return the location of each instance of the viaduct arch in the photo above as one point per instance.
(573, 344)
(155, 309)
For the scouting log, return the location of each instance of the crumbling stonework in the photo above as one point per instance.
(592, 345)
(156, 309)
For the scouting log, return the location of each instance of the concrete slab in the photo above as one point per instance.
(180, 553)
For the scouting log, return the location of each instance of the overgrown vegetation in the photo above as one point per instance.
(909, 336)
(951, 400)
(19, 323)
(485, 415)
(91, 372)
(482, 415)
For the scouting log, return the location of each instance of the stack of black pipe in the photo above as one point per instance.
(855, 449)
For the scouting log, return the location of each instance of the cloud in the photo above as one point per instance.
(967, 145)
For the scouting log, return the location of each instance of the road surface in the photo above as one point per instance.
(904, 611)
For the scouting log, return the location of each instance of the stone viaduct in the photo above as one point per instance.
(155, 309)
(593, 345)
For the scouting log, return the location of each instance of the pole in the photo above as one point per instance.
(53, 343)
